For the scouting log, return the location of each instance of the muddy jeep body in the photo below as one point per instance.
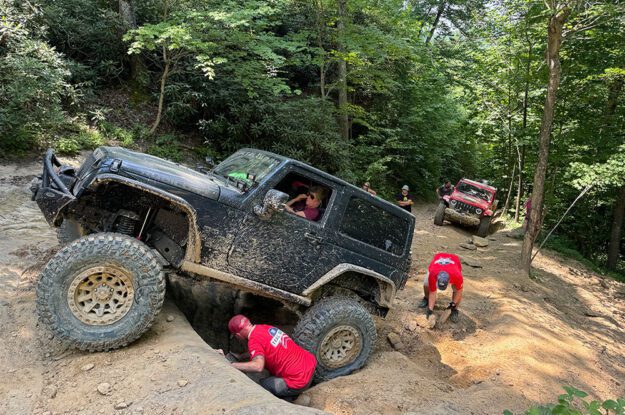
(471, 203)
(227, 227)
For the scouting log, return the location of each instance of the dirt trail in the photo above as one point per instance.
(518, 341)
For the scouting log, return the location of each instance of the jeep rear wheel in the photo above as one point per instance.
(101, 292)
(484, 228)
(439, 216)
(340, 333)
(69, 231)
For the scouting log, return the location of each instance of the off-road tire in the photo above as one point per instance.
(344, 317)
(69, 231)
(439, 216)
(127, 257)
(484, 227)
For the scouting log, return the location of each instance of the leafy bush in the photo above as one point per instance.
(573, 403)
(33, 81)
(302, 128)
(89, 32)
(166, 146)
(85, 139)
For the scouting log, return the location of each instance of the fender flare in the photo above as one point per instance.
(194, 245)
(387, 287)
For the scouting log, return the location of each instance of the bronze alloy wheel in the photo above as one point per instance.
(341, 346)
(100, 295)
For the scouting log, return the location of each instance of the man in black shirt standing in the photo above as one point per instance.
(445, 190)
(404, 199)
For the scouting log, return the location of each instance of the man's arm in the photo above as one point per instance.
(257, 364)
(457, 297)
(431, 301)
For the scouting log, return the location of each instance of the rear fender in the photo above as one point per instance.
(384, 296)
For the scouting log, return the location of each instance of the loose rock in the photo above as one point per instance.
(395, 341)
(303, 400)
(170, 318)
(470, 247)
(470, 262)
(479, 242)
(87, 367)
(121, 405)
(49, 391)
(105, 388)
(182, 382)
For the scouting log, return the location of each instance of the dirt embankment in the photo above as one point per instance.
(518, 340)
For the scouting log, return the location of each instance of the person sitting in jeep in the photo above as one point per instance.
(307, 205)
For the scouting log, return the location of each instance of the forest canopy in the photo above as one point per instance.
(391, 92)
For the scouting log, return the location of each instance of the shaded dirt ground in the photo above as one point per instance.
(518, 341)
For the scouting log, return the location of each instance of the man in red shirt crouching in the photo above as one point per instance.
(291, 367)
(444, 269)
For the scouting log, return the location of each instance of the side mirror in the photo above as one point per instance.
(273, 202)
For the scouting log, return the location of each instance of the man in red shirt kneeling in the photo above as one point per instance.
(444, 269)
(291, 367)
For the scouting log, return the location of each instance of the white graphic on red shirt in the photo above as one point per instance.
(279, 338)
(444, 261)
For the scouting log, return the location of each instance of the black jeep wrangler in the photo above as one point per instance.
(128, 218)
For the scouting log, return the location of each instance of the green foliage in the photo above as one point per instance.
(573, 403)
(124, 137)
(166, 146)
(84, 139)
(33, 81)
(87, 32)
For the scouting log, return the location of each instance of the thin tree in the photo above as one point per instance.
(558, 17)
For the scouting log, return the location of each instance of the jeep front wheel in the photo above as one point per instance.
(439, 216)
(482, 231)
(340, 333)
(101, 292)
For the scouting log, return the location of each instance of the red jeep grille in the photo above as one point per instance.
(464, 207)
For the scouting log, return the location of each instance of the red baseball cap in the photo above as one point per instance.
(236, 323)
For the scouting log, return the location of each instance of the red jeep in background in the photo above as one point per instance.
(471, 203)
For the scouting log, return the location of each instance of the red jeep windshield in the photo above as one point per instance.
(469, 189)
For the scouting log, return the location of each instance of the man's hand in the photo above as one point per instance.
(431, 318)
(451, 306)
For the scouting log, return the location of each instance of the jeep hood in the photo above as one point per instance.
(471, 200)
(140, 166)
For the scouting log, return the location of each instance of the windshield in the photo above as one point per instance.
(245, 169)
(469, 189)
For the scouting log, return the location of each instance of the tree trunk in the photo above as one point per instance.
(319, 25)
(128, 16)
(439, 13)
(521, 154)
(507, 204)
(519, 190)
(618, 211)
(342, 73)
(161, 97)
(554, 41)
